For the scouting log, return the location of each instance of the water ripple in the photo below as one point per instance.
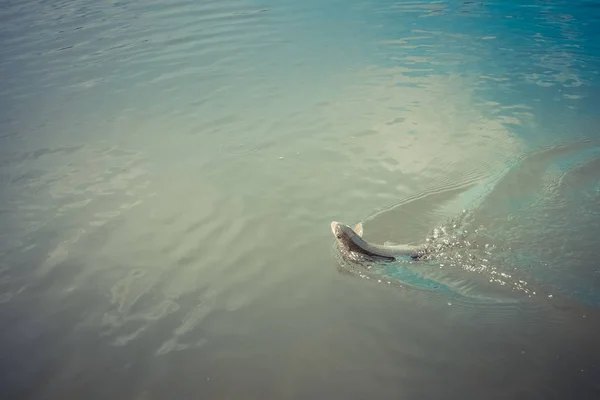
(168, 172)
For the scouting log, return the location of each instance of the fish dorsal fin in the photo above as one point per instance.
(359, 229)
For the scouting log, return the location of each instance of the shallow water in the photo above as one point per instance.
(169, 171)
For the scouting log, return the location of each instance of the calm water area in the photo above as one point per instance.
(169, 171)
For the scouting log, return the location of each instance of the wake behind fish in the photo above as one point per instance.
(458, 266)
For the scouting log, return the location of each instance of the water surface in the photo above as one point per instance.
(169, 171)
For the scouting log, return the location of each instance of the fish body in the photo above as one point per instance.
(354, 247)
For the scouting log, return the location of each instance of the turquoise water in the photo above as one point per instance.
(169, 171)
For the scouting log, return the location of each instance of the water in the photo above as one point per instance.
(169, 171)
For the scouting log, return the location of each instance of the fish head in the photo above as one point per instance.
(343, 234)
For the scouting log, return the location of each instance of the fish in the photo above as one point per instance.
(353, 247)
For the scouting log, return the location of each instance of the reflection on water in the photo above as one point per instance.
(169, 171)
